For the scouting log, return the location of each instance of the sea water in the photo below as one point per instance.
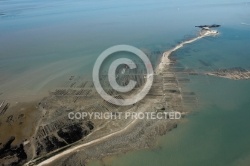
(215, 132)
(43, 43)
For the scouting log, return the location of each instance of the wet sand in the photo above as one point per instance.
(164, 61)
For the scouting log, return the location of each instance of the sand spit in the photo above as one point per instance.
(50, 137)
(165, 57)
(139, 133)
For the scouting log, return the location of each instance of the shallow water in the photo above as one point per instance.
(216, 133)
(43, 43)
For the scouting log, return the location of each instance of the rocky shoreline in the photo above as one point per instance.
(236, 73)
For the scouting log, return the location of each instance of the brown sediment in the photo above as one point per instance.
(236, 73)
(162, 91)
(19, 121)
(165, 95)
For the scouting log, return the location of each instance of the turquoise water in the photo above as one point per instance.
(215, 133)
(46, 40)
